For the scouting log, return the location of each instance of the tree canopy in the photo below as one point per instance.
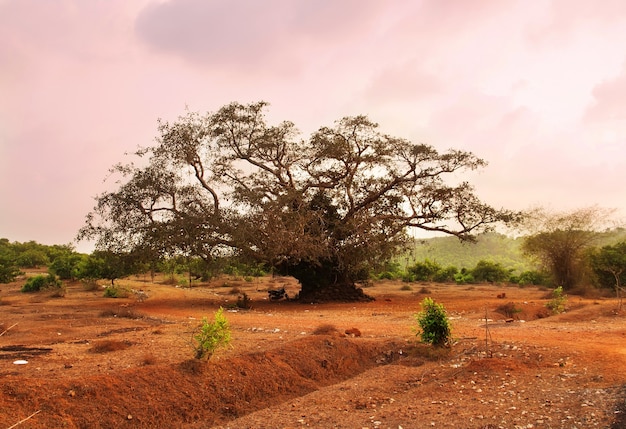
(559, 241)
(324, 209)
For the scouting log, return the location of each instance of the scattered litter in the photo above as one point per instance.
(20, 362)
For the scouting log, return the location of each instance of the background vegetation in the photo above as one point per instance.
(493, 258)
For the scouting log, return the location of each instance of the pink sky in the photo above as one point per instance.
(536, 88)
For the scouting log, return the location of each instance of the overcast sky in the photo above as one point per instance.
(536, 88)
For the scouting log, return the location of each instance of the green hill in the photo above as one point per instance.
(449, 251)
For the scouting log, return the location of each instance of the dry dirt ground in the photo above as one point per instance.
(96, 362)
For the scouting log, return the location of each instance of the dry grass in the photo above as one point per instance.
(123, 312)
(325, 329)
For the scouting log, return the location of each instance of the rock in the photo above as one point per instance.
(354, 332)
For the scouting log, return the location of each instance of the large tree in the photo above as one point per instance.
(323, 209)
(559, 240)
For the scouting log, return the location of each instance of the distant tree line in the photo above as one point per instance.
(485, 271)
(573, 250)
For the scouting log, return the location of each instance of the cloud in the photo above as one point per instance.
(252, 35)
(608, 100)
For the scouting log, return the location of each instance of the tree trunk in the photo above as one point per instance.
(324, 282)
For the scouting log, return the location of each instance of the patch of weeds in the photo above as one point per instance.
(325, 329)
(123, 312)
(170, 281)
(248, 279)
(107, 346)
(115, 291)
(406, 287)
(509, 310)
(244, 302)
(59, 292)
(424, 290)
(90, 285)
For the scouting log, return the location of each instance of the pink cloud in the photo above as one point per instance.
(608, 100)
(259, 36)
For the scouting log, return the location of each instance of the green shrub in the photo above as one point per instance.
(40, 282)
(491, 272)
(424, 271)
(445, 275)
(558, 301)
(536, 278)
(464, 277)
(115, 291)
(433, 323)
(211, 335)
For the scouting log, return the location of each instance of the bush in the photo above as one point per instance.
(536, 278)
(509, 310)
(558, 301)
(434, 324)
(464, 277)
(445, 275)
(244, 302)
(491, 272)
(114, 291)
(424, 271)
(211, 336)
(39, 282)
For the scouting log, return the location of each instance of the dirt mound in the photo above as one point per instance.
(193, 392)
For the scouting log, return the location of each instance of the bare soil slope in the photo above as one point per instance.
(96, 362)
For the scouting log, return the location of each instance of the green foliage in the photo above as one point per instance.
(40, 282)
(32, 258)
(558, 301)
(389, 270)
(531, 277)
(464, 276)
(430, 271)
(490, 272)
(66, 264)
(609, 265)
(423, 271)
(116, 291)
(108, 265)
(8, 264)
(449, 251)
(211, 336)
(433, 323)
(560, 242)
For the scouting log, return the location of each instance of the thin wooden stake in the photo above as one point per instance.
(7, 329)
(487, 335)
(23, 420)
